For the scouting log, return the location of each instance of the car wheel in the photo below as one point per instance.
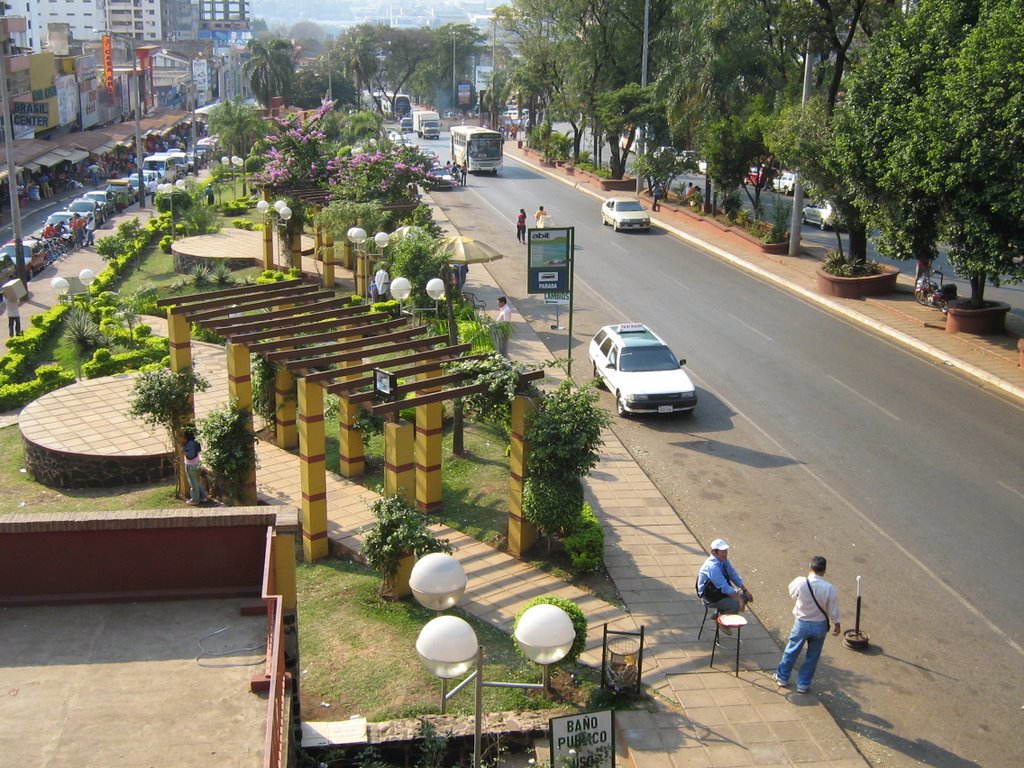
(620, 406)
(604, 221)
(803, 218)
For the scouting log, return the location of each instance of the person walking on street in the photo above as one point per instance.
(817, 606)
(540, 217)
(13, 315)
(719, 585)
(191, 449)
(382, 281)
(502, 333)
(521, 226)
(656, 194)
(90, 230)
(78, 230)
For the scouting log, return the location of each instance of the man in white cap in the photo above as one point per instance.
(718, 583)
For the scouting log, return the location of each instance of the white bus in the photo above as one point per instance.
(476, 149)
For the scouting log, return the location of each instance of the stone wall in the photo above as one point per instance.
(57, 469)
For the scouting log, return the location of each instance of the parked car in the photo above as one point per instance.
(785, 183)
(624, 213)
(31, 249)
(85, 207)
(150, 182)
(822, 213)
(757, 175)
(639, 369)
(104, 199)
(440, 178)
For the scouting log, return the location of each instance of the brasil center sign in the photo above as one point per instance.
(547, 263)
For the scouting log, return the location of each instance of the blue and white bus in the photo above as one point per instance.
(476, 149)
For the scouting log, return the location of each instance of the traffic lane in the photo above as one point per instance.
(799, 386)
(729, 477)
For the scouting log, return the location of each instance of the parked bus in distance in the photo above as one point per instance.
(403, 105)
(476, 149)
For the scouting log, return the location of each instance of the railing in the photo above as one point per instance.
(275, 680)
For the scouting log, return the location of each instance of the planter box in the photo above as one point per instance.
(618, 185)
(987, 320)
(857, 287)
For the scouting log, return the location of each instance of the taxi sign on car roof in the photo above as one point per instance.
(632, 327)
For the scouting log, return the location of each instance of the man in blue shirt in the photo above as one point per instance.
(718, 583)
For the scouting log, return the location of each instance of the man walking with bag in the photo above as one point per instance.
(817, 607)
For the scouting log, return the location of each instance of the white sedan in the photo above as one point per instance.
(821, 213)
(639, 369)
(624, 213)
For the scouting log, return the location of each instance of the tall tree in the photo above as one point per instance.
(238, 126)
(270, 68)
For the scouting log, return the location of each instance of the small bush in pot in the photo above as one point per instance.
(398, 531)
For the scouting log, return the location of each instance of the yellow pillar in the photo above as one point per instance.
(295, 246)
(268, 244)
(351, 456)
(361, 267)
(179, 336)
(328, 260)
(522, 534)
(283, 560)
(284, 408)
(399, 469)
(313, 470)
(346, 253)
(428, 452)
(240, 391)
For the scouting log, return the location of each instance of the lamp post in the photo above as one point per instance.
(401, 289)
(455, 100)
(168, 189)
(448, 646)
(239, 163)
(225, 163)
(283, 213)
(61, 287)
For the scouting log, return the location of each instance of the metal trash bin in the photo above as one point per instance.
(622, 660)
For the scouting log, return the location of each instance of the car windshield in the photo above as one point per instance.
(629, 205)
(647, 359)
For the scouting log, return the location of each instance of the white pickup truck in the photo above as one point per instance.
(426, 124)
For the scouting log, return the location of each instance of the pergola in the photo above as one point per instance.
(319, 343)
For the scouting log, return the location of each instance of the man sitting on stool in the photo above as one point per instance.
(719, 585)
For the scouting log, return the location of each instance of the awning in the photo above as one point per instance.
(50, 159)
(32, 167)
(3, 173)
(103, 149)
(77, 155)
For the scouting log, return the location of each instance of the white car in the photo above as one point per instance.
(822, 213)
(785, 183)
(624, 213)
(640, 370)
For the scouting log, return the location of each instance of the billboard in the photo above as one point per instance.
(547, 263)
(483, 77)
(67, 99)
(465, 91)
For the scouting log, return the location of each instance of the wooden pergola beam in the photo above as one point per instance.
(238, 306)
(320, 310)
(242, 290)
(299, 341)
(299, 326)
(358, 353)
(341, 387)
(383, 409)
(339, 356)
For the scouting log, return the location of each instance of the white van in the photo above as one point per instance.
(180, 159)
(162, 164)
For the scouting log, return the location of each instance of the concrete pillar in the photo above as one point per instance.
(428, 452)
(351, 457)
(362, 265)
(179, 336)
(328, 260)
(240, 391)
(284, 408)
(346, 253)
(522, 534)
(295, 246)
(313, 470)
(399, 468)
(268, 243)
(283, 563)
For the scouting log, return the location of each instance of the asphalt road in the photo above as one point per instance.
(813, 436)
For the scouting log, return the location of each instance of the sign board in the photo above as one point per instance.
(547, 263)
(465, 92)
(483, 77)
(586, 740)
(557, 298)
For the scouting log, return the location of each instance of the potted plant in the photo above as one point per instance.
(846, 278)
(397, 537)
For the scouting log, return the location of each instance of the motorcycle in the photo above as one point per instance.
(934, 294)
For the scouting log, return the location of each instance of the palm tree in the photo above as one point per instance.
(270, 68)
(237, 126)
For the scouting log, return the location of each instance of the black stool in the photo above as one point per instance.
(731, 621)
(707, 610)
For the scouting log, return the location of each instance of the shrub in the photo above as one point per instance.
(565, 432)
(165, 243)
(106, 363)
(48, 378)
(230, 450)
(553, 504)
(248, 226)
(585, 543)
(398, 530)
(576, 615)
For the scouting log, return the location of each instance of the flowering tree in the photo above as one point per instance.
(298, 154)
(382, 175)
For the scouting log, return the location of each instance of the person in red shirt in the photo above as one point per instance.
(49, 231)
(521, 226)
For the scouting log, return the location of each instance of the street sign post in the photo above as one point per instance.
(549, 270)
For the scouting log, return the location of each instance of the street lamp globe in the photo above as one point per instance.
(60, 286)
(285, 213)
(382, 239)
(357, 235)
(180, 183)
(263, 206)
(237, 161)
(545, 633)
(435, 288)
(447, 646)
(279, 204)
(87, 277)
(401, 288)
(437, 581)
(225, 160)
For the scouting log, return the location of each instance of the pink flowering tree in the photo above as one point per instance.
(298, 154)
(382, 175)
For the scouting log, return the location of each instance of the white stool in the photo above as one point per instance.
(731, 621)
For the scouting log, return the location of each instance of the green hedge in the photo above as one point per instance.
(585, 543)
(105, 363)
(48, 378)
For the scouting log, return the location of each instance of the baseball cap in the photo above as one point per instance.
(719, 544)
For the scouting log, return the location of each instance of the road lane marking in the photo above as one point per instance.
(867, 400)
(748, 326)
(1010, 489)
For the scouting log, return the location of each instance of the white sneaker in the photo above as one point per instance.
(781, 683)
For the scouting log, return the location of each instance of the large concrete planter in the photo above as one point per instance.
(857, 287)
(990, 319)
(618, 185)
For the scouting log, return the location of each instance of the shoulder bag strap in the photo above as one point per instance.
(828, 624)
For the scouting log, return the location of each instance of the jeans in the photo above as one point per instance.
(195, 483)
(725, 605)
(811, 632)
